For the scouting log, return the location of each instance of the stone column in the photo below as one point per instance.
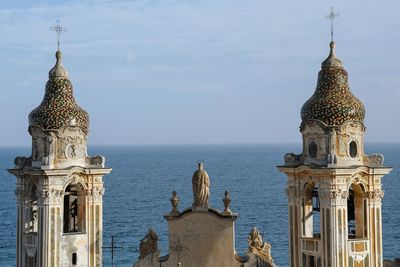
(19, 193)
(375, 225)
(333, 226)
(95, 227)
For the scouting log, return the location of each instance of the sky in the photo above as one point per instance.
(197, 72)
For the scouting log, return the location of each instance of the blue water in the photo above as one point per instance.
(143, 177)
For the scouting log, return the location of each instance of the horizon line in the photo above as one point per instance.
(201, 144)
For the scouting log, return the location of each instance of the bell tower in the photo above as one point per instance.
(59, 187)
(334, 189)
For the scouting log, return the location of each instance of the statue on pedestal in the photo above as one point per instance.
(259, 248)
(201, 187)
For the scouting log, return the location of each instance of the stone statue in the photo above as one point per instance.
(148, 245)
(258, 247)
(201, 187)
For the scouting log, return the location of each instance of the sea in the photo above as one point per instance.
(143, 177)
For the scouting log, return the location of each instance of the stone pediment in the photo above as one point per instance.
(202, 236)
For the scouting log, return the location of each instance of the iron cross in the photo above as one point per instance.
(332, 15)
(179, 248)
(113, 248)
(58, 29)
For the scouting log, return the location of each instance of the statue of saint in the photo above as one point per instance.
(148, 245)
(258, 247)
(201, 187)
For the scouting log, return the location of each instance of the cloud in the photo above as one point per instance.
(212, 54)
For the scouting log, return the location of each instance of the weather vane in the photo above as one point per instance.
(58, 29)
(332, 17)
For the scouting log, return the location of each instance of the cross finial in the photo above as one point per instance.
(58, 29)
(332, 15)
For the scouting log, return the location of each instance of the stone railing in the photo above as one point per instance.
(311, 245)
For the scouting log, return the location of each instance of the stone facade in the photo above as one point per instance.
(201, 236)
(59, 187)
(334, 189)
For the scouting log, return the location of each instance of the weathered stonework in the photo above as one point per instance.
(58, 108)
(59, 187)
(201, 236)
(333, 103)
(334, 190)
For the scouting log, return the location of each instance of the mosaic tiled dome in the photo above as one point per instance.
(58, 107)
(332, 102)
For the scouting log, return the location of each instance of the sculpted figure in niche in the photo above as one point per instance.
(201, 187)
(148, 245)
(73, 152)
(258, 247)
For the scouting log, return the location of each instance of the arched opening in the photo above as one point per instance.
(33, 210)
(311, 211)
(74, 209)
(312, 149)
(353, 149)
(356, 212)
(31, 225)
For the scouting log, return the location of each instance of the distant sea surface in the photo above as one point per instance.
(139, 188)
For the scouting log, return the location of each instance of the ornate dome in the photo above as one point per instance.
(332, 102)
(58, 107)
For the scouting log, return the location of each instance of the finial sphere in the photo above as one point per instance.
(58, 55)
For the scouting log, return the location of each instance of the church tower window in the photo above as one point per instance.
(312, 149)
(74, 258)
(353, 149)
(356, 212)
(316, 212)
(54, 208)
(349, 231)
(74, 209)
(311, 211)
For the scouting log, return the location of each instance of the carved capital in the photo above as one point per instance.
(44, 193)
(95, 193)
(51, 194)
(333, 194)
(376, 194)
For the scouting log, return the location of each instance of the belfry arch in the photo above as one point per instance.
(357, 214)
(54, 215)
(74, 209)
(311, 209)
(350, 187)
